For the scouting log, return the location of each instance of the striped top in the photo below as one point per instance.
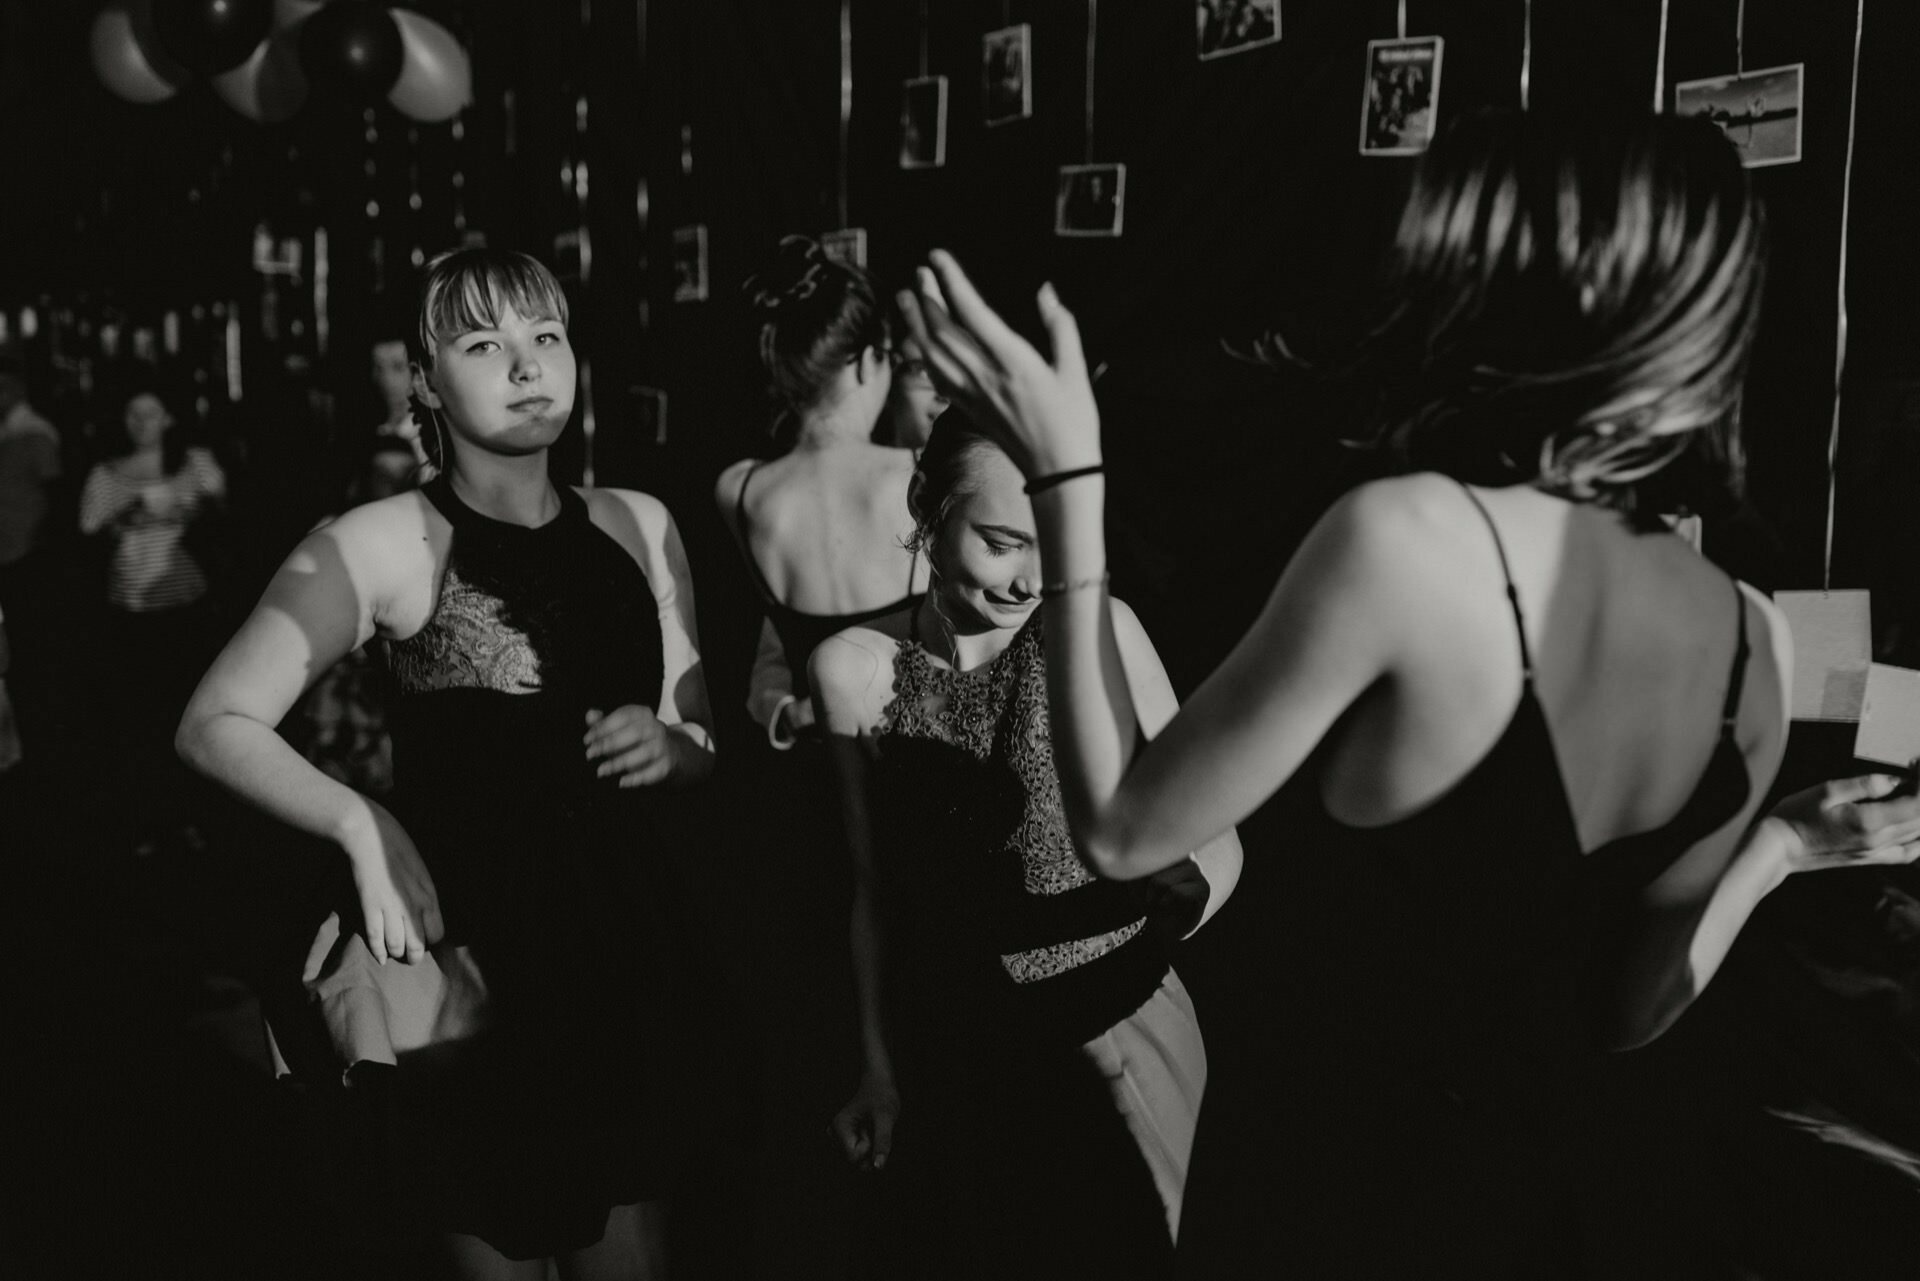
(150, 567)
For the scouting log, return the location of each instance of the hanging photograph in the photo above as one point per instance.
(649, 413)
(690, 263)
(1006, 57)
(923, 123)
(1759, 111)
(1235, 26)
(847, 246)
(1402, 96)
(1091, 200)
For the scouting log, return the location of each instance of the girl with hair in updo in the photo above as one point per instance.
(497, 957)
(1023, 1034)
(1537, 726)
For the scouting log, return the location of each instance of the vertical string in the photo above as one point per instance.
(923, 39)
(1526, 55)
(846, 96)
(1660, 65)
(1840, 328)
(1006, 13)
(1093, 26)
(1740, 39)
(1403, 19)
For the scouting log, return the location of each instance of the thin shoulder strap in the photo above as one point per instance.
(740, 499)
(1506, 571)
(740, 532)
(1730, 710)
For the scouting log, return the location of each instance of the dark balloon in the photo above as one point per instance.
(353, 45)
(211, 36)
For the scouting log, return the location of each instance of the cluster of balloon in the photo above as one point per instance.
(262, 55)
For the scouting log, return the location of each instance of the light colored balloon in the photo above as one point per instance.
(269, 86)
(120, 62)
(291, 13)
(436, 76)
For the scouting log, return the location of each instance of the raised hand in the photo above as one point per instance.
(1851, 822)
(1042, 410)
(631, 744)
(398, 903)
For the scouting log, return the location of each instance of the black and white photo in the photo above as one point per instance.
(846, 246)
(1402, 96)
(1090, 200)
(1235, 26)
(923, 123)
(690, 263)
(1759, 111)
(1006, 62)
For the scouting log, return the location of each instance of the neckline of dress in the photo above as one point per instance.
(985, 669)
(459, 511)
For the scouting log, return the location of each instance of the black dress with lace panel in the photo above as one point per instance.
(535, 1129)
(1003, 955)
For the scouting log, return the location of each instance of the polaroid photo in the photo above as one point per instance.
(923, 123)
(1091, 200)
(1235, 26)
(1832, 650)
(649, 413)
(1006, 59)
(847, 246)
(1759, 111)
(1402, 97)
(690, 263)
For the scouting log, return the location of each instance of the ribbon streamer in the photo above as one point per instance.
(1840, 326)
(1660, 64)
(1403, 19)
(1093, 26)
(846, 96)
(1526, 56)
(1740, 39)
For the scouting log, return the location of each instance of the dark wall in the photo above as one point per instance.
(1248, 206)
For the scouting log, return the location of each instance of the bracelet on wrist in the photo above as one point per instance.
(778, 741)
(1040, 484)
(1066, 586)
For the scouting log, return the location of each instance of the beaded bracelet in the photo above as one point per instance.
(1040, 484)
(1049, 590)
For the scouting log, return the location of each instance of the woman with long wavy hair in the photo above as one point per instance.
(1537, 725)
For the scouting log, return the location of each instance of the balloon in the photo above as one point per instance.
(291, 13)
(210, 36)
(436, 79)
(269, 86)
(353, 45)
(120, 62)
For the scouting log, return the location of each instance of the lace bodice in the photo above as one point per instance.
(997, 715)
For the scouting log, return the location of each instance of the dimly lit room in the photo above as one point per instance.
(896, 639)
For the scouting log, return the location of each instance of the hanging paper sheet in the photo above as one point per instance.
(1890, 716)
(1832, 648)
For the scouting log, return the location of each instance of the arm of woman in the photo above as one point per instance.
(1322, 640)
(1674, 935)
(206, 482)
(323, 602)
(1155, 704)
(674, 741)
(103, 503)
(844, 675)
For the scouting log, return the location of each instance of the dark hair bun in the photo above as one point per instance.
(796, 274)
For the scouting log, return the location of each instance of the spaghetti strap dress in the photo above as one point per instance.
(529, 1131)
(1435, 1105)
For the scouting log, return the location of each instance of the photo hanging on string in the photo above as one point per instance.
(1402, 98)
(846, 246)
(1235, 26)
(923, 123)
(649, 413)
(1759, 111)
(690, 263)
(1091, 200)
(1006, 59)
